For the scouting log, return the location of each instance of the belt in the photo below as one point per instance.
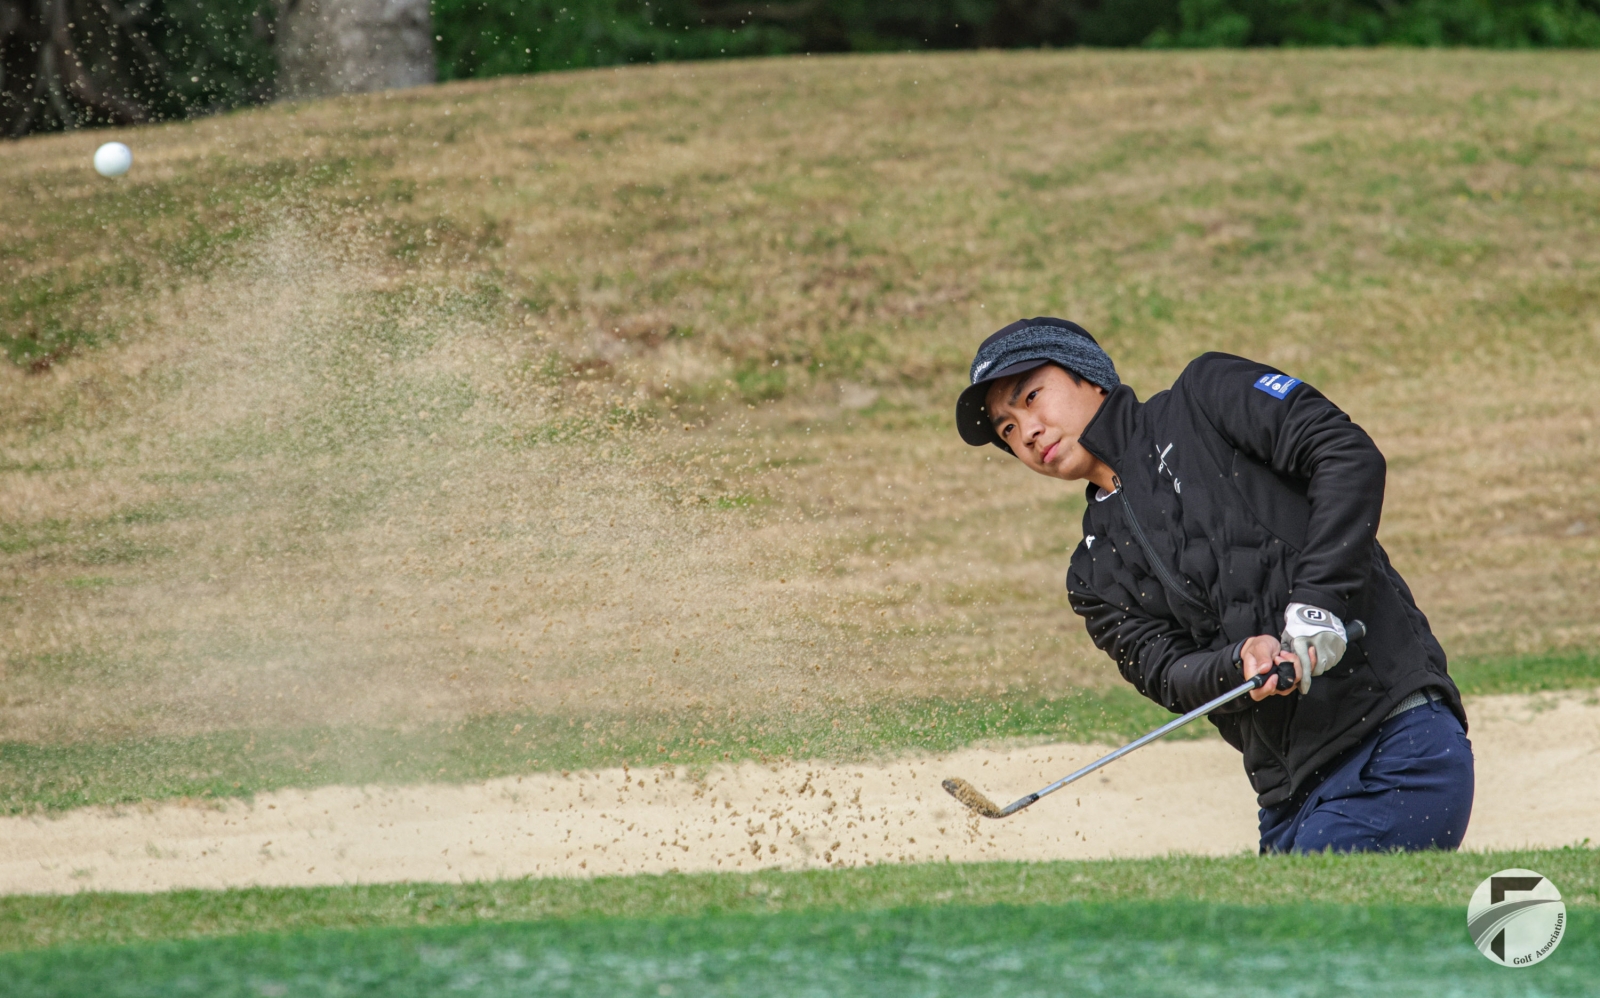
(1416, 699)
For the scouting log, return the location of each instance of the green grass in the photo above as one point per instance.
(1125, 949)
(1527, 673)
(94, 249)
(48, 777)
(1318, 925)
(1439, 880)
(239, 763)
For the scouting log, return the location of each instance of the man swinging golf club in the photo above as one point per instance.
(1231, 530)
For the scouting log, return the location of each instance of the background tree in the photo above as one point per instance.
(75, 63)
(491, 37)
(352, 46)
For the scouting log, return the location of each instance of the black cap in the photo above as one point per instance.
(1020, 347)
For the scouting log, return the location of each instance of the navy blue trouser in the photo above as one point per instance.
(1408, 786)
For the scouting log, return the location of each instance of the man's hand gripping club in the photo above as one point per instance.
(1313, 639)
(1267, 669)
(1316, 637)
(1260, 655)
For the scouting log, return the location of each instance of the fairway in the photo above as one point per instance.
(1128, 950)
(1365, 924)
(1312, 925)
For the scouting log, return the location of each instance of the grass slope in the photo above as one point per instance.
(621, 399)
(1426, 880)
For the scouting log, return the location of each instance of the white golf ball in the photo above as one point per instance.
(112, 159)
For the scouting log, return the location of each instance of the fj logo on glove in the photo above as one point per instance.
(1314, 636)
(1516, 918)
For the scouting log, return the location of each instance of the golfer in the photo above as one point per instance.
(1232, 523)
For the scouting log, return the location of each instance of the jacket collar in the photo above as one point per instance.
(1111, 431)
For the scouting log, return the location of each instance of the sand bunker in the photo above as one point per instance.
(1174, 797)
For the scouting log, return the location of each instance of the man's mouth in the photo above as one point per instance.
(1050, 452)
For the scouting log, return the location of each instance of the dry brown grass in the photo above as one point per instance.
(630, 389)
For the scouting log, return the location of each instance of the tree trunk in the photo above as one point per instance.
(353, 46)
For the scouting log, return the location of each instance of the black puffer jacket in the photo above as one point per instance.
(1252, 491)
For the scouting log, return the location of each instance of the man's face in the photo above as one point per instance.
(1040, 414)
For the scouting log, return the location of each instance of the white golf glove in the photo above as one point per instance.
(1305, 627)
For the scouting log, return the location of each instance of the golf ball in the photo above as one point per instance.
(112, 159)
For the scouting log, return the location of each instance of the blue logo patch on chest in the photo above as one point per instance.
(1276, 385)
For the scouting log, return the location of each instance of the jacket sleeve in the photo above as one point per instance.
(1160, 659)
(1304, 437)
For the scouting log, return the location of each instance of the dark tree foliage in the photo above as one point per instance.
(491, 37)
(74, 63)
(1482, 23)
(71, 63)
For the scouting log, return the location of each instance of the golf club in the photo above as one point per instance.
(969, 795)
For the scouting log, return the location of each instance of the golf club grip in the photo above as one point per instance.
(1283, 670)
(1285, 673)
(1354, 631)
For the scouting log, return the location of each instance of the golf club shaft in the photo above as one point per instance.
(1140, 742)
(1356, 630)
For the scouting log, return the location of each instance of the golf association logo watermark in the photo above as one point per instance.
(1516, 918)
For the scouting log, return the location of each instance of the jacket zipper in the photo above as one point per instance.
(1276, 750)
(1150, 552)
(1172, 586)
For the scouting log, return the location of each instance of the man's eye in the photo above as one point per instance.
(1007, 430)
(1031, 395)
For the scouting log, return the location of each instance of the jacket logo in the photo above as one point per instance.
(1276, 385)
(1161, 466)
(1088, 541)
